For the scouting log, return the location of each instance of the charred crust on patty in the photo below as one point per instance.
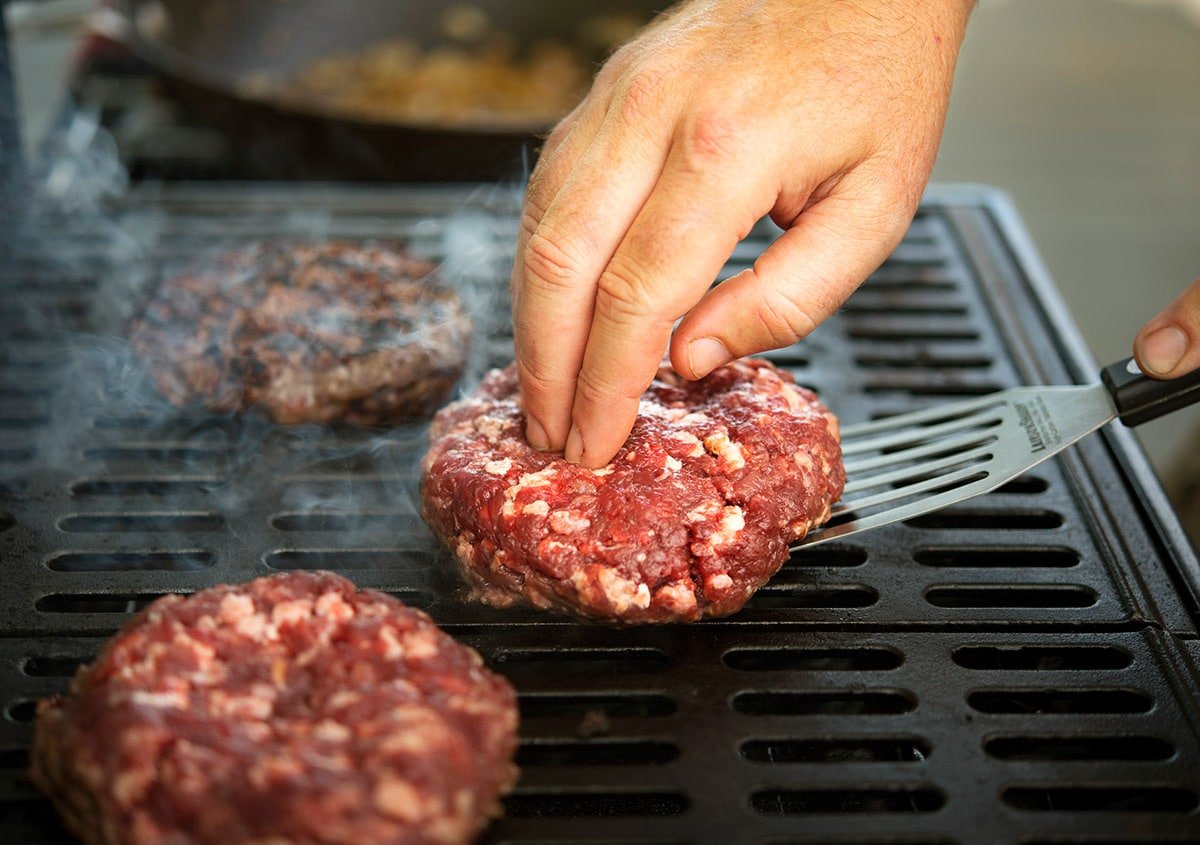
(363, 333)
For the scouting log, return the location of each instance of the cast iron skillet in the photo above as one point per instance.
(214, 54)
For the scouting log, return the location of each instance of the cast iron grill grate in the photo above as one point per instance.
(1011, 670)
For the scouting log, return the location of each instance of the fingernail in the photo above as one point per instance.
(574, 450)
(1163, 349)
(705, 354)
(536, 435)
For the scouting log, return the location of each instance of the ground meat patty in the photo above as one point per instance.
(293, 709)
(362, 333)
(692, 516)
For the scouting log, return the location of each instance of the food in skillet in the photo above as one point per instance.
(292, 709)
(480, 76)
(329, 332)
(397, 81)
(692, 516)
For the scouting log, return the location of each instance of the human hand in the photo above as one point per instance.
(824, 114)
(1168, 346)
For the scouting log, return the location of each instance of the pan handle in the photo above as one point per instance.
(1139, 399)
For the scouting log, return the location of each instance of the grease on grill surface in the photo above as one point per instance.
(335, 332)
(693, 515)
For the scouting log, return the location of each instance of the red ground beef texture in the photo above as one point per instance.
(333, 332)
(692, 516)
(293, 710)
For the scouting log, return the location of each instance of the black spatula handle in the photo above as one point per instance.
(1140, 399)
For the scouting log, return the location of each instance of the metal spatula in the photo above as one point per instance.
(904, 466)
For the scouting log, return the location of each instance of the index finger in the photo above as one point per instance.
(672, 253)
(569, 244)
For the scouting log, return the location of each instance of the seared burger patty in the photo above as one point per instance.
(360, 333)
(692, 516)
(293, 709)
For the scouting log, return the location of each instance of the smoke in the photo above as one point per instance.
(106, 442)
(81, 169)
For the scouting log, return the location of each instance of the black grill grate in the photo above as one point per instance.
(1014, 670)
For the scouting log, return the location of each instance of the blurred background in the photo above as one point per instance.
(1087, 112)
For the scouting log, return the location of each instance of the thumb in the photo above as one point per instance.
(799, 280)
(1169, 345)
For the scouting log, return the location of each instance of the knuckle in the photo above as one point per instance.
(531, 216)
(782, 319)
(533, 209)
(620, 293)
(599, 392)
(592, 389)
(641, 96)
(536, 383)
(707, 138)
(547, 263)
(538, 193)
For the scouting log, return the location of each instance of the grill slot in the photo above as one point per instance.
(109, 523)
(781, 594)
(989, 519)
(1008, 595)
(828, 556)
(581, 661)
(611, 706)
(1028, 485)
(812, 660)
(172, 561)
(836, 751)
(52, 667)
(992, 557)
(910, 334)
(859, 306)
(165, 453)
(916, 388)
(928, 683)
(368, 559)
(590, 804)
(1041, 658)
(340, 522)
(793, 802)
(158, 487)
(1079, 748)
(838, 702)
(608, 752)
(1053, 701)
(21, 711)
(1124, 799)
(167, 424)
(923, 362)
(124, 603)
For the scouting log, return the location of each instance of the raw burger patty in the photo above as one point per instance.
(693, 515)
(330, 332)
(293, 709)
